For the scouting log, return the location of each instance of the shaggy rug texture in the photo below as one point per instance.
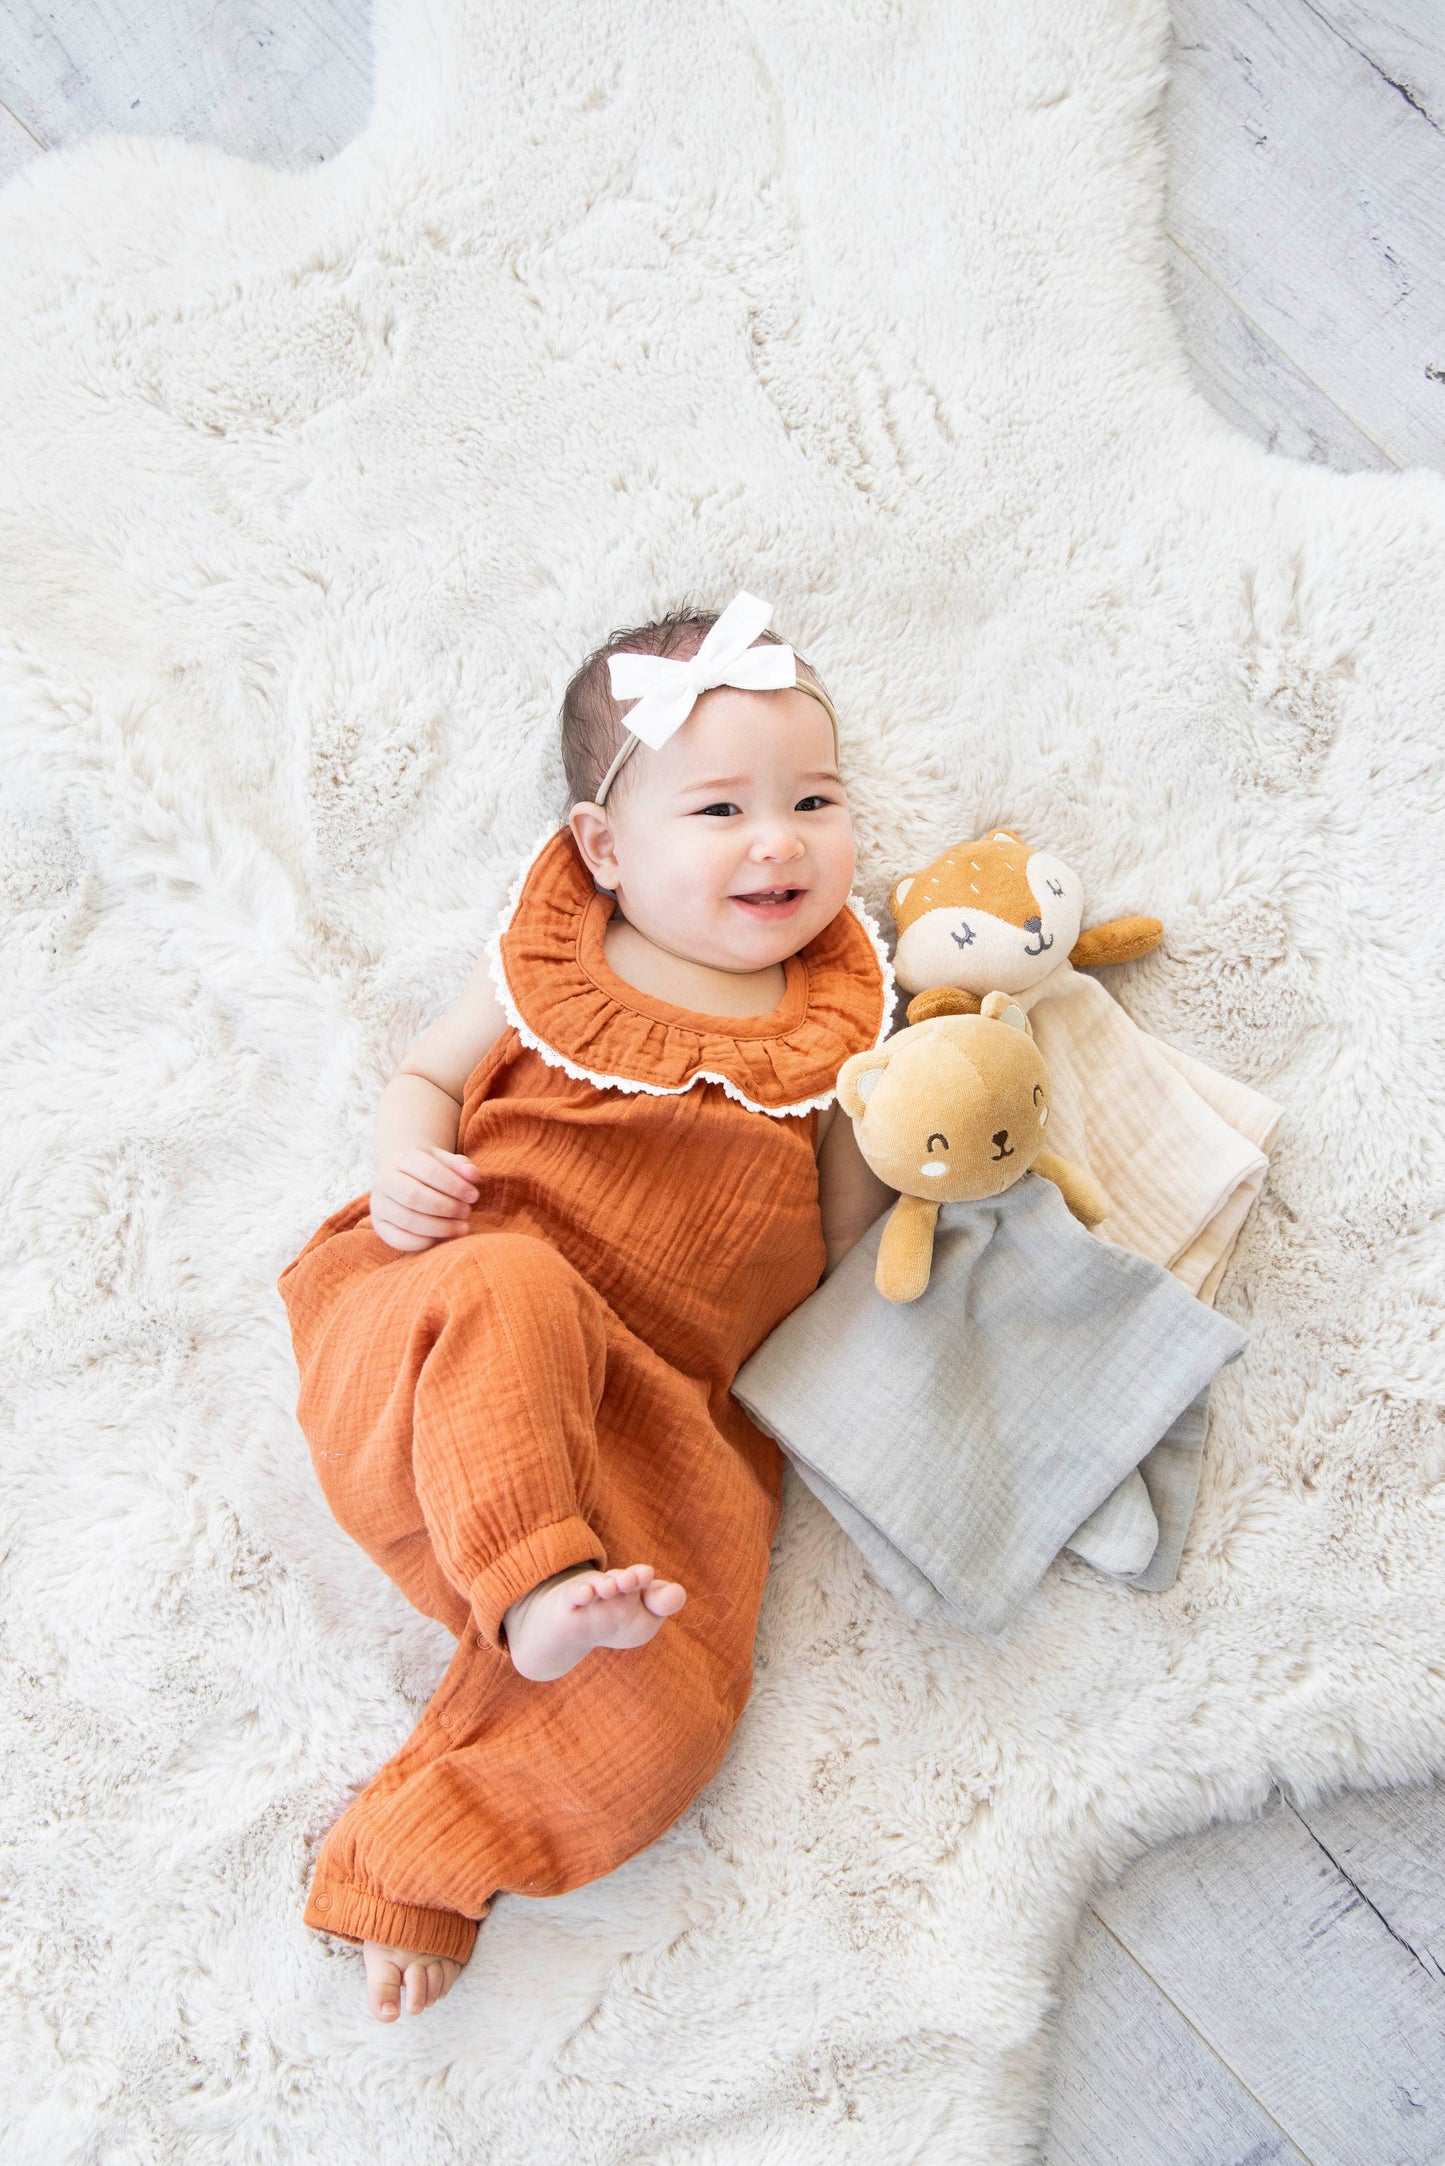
(315, 489)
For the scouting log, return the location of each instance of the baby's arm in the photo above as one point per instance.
(423, 1188)
(850, 1193)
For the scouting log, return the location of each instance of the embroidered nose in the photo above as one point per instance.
(1004, 1148)
(1031, 925)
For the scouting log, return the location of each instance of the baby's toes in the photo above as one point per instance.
(578, 1591)
(383, 1990)
(426, 1981)
(631, 1579)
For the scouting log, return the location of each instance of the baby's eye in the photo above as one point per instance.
(720, 811)
(809, 804)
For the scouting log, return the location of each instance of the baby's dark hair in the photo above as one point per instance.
(594, 724)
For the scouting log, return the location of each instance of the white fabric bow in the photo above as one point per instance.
(666, 687)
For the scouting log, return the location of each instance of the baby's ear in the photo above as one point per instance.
(858, 1078)
(1002, 1008)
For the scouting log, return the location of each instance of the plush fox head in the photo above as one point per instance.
(991, 913)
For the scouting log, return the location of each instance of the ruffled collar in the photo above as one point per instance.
(566, 1002)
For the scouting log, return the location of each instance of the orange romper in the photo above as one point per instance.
(554, 1385)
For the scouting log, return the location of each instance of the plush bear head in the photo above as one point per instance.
(952, 1110)
(987, 914)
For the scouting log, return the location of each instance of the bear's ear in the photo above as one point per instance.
(858, 1078)
(1002, 1008)
(900, 891)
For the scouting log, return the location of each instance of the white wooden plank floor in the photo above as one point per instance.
(1270, 1994)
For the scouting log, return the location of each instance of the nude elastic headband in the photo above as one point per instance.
(666, 688)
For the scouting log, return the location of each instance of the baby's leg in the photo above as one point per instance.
(451, 1403)
(540, 1787)
(451, 1410)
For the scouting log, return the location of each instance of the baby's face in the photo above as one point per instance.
(732, 844)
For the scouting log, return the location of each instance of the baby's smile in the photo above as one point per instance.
(770, 902)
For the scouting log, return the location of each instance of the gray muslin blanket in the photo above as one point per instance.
(962, 1438)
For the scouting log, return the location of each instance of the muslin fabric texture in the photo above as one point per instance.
(1179, 1148)
(961, 1438)
(1181, 1152)
(552, 1387)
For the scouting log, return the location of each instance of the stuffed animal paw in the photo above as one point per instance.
(950, 1111)
(995, 914)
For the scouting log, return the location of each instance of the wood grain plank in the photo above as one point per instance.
(287, 82)
(1312, 192)
(1135, 2086)
(1391, 1845)
(1247, 379)
(1297, 1985)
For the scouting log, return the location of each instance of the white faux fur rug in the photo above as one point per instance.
(315, 489)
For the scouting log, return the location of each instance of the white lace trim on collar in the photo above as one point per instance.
(554, 1059)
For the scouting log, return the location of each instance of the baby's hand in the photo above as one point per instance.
(425, 1196)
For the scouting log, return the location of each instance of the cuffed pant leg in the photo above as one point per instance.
(504, 1442)
(356, 1913)
(450, 1405)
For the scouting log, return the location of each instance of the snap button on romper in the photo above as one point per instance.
(552, 1387)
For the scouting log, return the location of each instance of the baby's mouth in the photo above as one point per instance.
(771, 902)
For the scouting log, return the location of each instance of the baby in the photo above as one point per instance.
(601, 1179)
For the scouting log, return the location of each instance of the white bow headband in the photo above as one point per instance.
(666, 688)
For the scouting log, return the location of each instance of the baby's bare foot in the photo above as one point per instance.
(390, 1971)
(552, 1628)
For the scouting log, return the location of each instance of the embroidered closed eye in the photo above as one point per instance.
(936, 1166)
(1039, 1102)
(965, 938)
(1055, 888)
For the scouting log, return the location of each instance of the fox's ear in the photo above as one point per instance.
(858, 1079)
(1006, 834)
(900, 891)
(1003, 1008)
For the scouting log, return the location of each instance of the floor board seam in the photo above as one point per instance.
(10, 110)
(1206, 2041)
(1285, 354)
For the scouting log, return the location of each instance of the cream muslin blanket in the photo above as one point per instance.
(1179, 1148)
